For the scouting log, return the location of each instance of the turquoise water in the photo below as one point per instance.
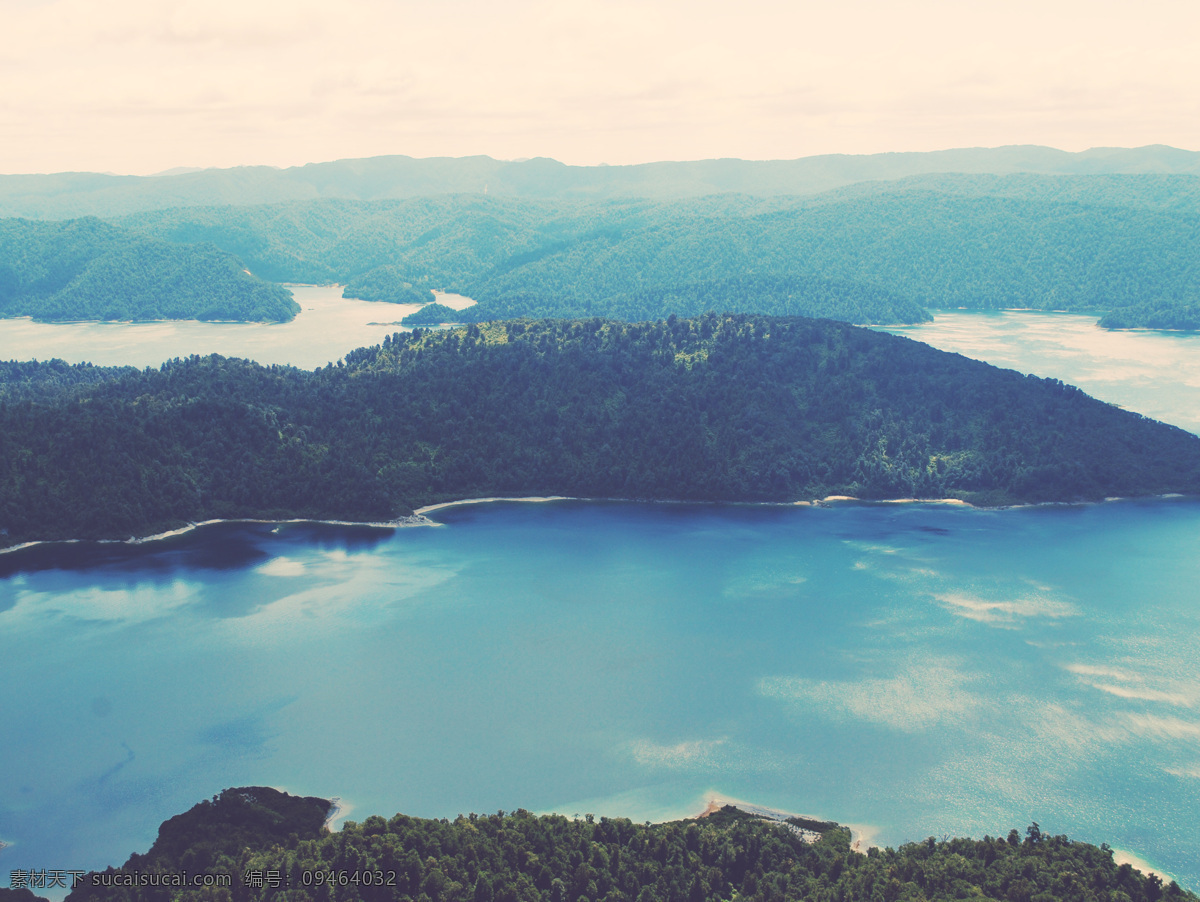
(913, 669)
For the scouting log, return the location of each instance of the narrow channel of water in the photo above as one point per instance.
(326, 327)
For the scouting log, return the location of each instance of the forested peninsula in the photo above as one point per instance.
(85, 269)
(716, 408)
(272, 846)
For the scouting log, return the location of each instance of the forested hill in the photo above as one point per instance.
(722, 407)
(1126, 247)
(86, 269)
(70, 194)
(270, 846)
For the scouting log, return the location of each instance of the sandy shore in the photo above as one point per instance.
(338, 809)
(401, 523)
(861, 835)
(816, 502)
(1120, 856)
(418, 517)
(529, 499)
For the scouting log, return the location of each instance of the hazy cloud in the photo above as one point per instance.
(704, 754)
(282, 566)
(144, 85)
(1006, 613)
(1170, 682)
(923, 695)
(126, 605)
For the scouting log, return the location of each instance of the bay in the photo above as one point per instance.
(913, 669)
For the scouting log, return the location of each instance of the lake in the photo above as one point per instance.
(912, 670)
(326, 327)
(1154, 373)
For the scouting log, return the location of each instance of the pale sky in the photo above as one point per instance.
(139, 86)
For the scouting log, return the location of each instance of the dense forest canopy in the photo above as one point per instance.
(1113, 233)
(717, 408)
(1126, 247)
(86, 269)
(271, 847)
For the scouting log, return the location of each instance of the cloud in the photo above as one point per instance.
(919, 698)
(1147, 695)
(1153, 726)
(702, 753)
(705, 755)
(584, 82)
(1124, 683)
(1082, 735)
(763, 584)
(133, 604)
(1005, 613)
(347, 589)
(1101, 671)
(282, 566)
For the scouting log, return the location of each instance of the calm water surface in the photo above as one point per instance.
(326, 327)
(913, 670)
(1154, 373)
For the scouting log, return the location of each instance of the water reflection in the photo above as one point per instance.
(327, 326)
(922, 669)
(1153, 373)
(225, 546)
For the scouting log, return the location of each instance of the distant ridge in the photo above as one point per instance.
(73, 194)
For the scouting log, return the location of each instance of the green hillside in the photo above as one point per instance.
(1123, 247)
(718, 408)
(269, 846)
(86, 269)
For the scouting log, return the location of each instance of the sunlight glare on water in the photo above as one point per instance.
(1153, 373)
(913, 669)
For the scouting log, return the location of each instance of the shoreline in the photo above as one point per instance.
(815, 502)
(1121, 856)
(338, 809)
(862, 836)
(525, 499)
(418, 517)
(400, 523)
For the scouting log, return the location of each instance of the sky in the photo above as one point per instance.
(142, 86)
